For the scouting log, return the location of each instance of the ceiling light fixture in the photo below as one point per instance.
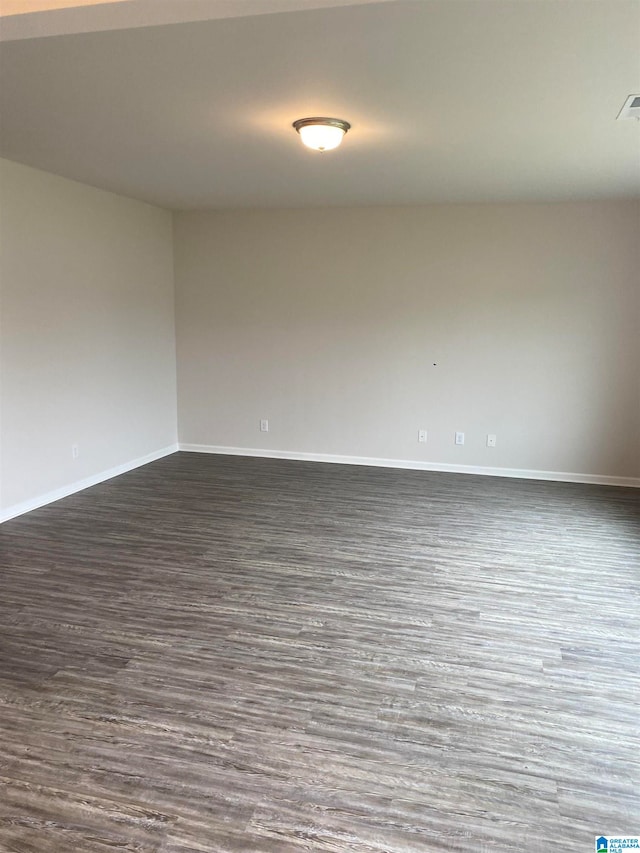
(321, 134)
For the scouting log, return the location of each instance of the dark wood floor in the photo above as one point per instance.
(227, 654)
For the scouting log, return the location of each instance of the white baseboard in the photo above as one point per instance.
(516, 473)
(79, 485)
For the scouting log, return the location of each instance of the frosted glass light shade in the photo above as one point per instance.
(322, 137)
(321, 134)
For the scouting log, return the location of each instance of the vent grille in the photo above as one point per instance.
(631, 108)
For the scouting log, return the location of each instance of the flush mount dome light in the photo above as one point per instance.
(321, 134)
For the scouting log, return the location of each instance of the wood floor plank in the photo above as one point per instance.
(233, 654)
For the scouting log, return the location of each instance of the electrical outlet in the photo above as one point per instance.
(491, 441)
(264, 425)
(422, 435)
(75, 451)
(459, 438)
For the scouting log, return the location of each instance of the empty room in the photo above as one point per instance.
(320, 426)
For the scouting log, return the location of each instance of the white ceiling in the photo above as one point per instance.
(23, 7)
(449, 100)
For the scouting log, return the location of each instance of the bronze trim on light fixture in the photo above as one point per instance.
(331, 122)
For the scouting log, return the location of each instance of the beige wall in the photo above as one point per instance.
(87, 335)
(329, 322)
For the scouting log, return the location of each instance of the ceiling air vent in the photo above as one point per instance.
(631, 108)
